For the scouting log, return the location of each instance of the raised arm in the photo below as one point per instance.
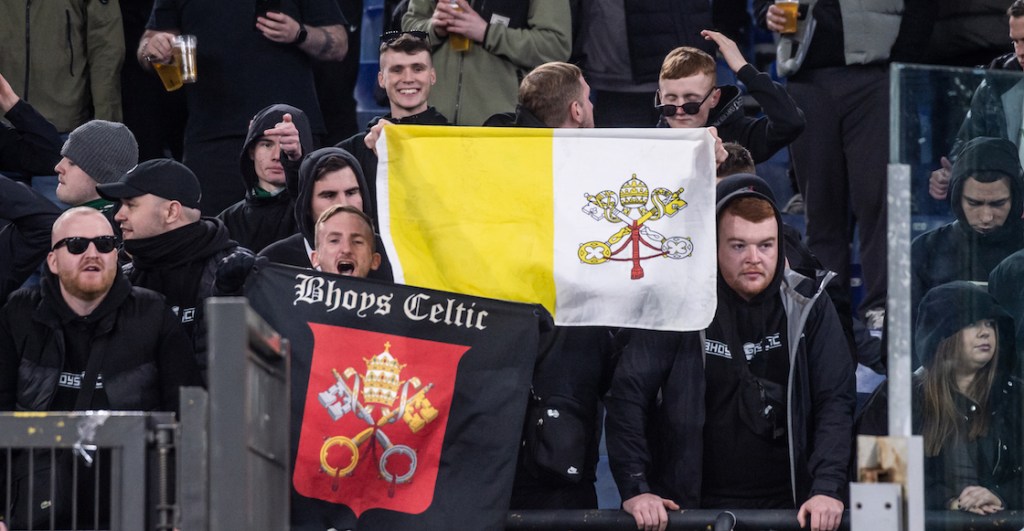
(32, 145)
(782, 122)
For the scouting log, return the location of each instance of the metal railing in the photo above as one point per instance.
(230, 450)
(35, 440)
(705, 520)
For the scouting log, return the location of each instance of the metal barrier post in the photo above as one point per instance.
(249, 478)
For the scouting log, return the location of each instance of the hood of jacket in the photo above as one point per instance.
(304, 195)
(54, 310)
(992, 156)
(267, 119)
(729, 108)
(732, 188)
(1006, 284)
(946, 309)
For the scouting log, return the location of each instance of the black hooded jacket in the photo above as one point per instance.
(956, 251)
(142, 359)
(781, 124)
(260, 220)
(997, 456)
(747, 455)
(293, 249)
(1006, 284)
(181, 265)
(368, 159)
(656, 406)
(146, 357)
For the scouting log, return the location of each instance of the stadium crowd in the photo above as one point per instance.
(153, 201)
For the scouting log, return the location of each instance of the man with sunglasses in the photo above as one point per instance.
(406, 75)
(85, 339)
(173, 250)
(688, 97)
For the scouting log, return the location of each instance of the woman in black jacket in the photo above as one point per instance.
(966, 402)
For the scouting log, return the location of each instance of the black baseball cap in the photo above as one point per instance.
(164, 178)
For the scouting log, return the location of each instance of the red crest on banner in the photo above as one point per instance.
(374, 420)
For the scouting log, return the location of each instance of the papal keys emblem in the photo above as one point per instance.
(635, 207)
(381, 387)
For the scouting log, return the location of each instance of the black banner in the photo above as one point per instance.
(407, 403)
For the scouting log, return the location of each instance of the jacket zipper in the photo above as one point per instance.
(458, 89)
(71, 46)
(999, 454)
(28, 48)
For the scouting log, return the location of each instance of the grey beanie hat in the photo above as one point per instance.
(104, 150)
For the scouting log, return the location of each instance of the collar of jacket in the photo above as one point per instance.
(48, 311)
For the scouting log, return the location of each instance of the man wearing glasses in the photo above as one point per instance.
(84, 339)
(688, 97)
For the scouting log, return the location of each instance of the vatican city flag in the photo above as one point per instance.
(604, 227)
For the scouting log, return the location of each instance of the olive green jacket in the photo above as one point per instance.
(483, 81)
(64, 57)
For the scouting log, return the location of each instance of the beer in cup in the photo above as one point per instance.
(182, 68)
(170, 74)
(459, 43)
(790, 8)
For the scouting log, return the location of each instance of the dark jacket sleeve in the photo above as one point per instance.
(985, 118)
(26, 240)
(919, 259)
(32, 146)
(782, 122)
(1007, 480)
(761, 12)
(631, 405)
(9, 362)
(915, 31)
(833, 399)
(176, 362)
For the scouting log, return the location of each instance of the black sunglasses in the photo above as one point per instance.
(690, 107)
(392, 36)
(78, 244)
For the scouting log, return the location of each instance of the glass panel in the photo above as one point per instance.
(957, 132)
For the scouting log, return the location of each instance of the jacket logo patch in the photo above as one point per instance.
(73, 380)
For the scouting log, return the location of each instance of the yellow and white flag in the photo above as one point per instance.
(604, 227)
